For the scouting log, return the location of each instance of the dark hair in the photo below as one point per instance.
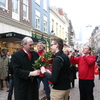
(89, 47)
(59, 41)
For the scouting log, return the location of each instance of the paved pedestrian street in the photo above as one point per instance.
(74, 93)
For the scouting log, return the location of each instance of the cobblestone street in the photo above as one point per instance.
(74, 93)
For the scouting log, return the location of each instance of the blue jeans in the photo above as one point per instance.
(46, 85)
(11, 85)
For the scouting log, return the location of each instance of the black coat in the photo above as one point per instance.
(24, 87)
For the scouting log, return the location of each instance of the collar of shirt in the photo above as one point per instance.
(85, 55)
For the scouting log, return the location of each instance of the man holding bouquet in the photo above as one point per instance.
(60, 76)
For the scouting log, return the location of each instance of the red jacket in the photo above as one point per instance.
(41, 54)
(85, 66)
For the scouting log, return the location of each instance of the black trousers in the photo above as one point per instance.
(86, 89)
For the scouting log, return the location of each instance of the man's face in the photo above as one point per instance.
(4, 53)
(86, 50)
(40, 47)
(29, 46)
(53, 47)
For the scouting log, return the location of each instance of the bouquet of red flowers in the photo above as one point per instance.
(44, 60)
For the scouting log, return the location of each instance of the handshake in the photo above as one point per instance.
(37, 72)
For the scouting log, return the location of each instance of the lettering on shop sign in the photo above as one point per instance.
(9, 35)
(42, 41)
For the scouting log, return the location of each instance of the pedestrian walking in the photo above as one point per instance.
(25, 79)
(86, 64)
(60, 75)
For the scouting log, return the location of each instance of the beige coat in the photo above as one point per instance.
(4, 62)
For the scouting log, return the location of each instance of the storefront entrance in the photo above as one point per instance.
(12, 41)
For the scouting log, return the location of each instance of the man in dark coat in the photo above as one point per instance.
(25, 82)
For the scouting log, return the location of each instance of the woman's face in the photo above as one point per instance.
(66, 52)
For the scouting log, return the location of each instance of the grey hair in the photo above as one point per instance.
(24, 40)
(40, 43)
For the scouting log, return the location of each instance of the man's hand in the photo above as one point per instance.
(34, 73)
(43, 70)
(48, 71)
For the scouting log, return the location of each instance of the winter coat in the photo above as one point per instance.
(24, 87)
(4, 63)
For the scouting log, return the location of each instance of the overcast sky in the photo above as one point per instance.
(81, 13)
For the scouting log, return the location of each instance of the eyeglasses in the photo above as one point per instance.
(52, 44)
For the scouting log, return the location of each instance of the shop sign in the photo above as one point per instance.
(43, 41)
(9, 35)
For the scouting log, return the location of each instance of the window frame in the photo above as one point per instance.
(45, 23)
(45, 5)
(37, 20)
(27, 7)
(6, 5)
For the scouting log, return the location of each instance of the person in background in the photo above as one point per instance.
(41, 77)
(72, 69)
(25, 77)
(60, 75)
(4, 63)
(11, 81)
(98, 63)
(66, 51)
(8, 55)
(86, 64)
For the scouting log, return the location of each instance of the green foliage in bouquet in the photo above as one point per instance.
(44, 60)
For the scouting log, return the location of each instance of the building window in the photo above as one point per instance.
(60, 31)
(45, 5)
(15, 6)
(25, 9)
(3, 3)
(37, 19)
(52, 26)
(37, 1)
(45, 24)
(57, 29)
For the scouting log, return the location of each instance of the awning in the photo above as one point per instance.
(14, 35)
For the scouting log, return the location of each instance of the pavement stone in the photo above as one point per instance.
(74, 93)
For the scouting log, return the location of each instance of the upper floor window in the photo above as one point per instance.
(37, 1)
(25, 9)
(15, 6)
(45, 5)
(45, 24)
(37, 19)
(3, 3)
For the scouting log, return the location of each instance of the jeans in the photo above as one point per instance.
(11, 85)
(46, 85)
